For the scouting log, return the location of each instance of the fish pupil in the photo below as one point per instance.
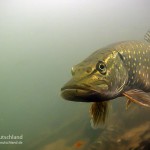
(101, 67)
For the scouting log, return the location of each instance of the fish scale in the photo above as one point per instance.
(136, 59)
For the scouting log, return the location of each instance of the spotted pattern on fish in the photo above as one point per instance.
(136, 57)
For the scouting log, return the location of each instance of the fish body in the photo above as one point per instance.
(120, 69)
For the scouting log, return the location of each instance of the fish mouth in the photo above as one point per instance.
(80, 94)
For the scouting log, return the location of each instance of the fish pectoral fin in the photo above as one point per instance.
(138, 96)
(99, 111)
(128, 103)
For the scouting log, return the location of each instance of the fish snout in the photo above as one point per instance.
(79, 71)
(73, 90)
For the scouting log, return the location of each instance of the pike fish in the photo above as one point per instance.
(120, 69)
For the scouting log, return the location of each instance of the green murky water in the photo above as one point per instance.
(39, 42)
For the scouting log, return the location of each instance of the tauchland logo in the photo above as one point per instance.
(11, 139)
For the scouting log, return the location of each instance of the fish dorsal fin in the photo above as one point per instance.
(99, 111)
(138, 96)
(147, 36)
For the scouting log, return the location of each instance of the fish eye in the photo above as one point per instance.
(101, 67)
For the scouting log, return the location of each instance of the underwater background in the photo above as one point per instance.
(40, 41)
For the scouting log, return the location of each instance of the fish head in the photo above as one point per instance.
(99, 77)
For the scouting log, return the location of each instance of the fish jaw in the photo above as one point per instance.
(80, 92)
(78, 95)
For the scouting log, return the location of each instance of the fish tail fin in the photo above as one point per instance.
(99, 112)
(147, 36)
